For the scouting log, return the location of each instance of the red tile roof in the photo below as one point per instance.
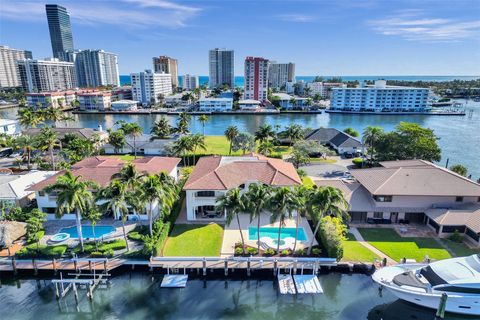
(101, 169)
(223, 173)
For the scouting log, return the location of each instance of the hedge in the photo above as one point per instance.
(90, 247)
(162, 236)
(42, 251)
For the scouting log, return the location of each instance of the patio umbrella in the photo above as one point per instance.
(11, 231)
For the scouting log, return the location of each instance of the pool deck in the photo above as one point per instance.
(231, 234)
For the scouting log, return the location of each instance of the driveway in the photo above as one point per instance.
(325, 170)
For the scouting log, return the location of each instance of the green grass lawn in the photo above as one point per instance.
(459, 249)
(393, 245)
(194, 240)
(321, 160)
(308, 182)
(355, 252)
(220, 145)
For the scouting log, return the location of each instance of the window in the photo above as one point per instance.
(206, 194)
(378, 215)
(458, 199)
(383, 198)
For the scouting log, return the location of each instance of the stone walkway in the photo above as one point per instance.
(367, 245)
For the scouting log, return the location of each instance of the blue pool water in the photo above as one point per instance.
(87, 231)
(273, 233)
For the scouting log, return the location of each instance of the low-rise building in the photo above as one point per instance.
(177, 100)
(286, 101)
(124, 105)
(122, 93)
(84, 133)
(250, 105)
(323, 88)
(338, 140)
(102, 170)
(215, 104)
(148, 86)
(94, 100)
(61, 99)
(144, 145)
(10, 127)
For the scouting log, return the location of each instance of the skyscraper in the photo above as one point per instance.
(164, 64)
(46, 75)
(189, 82)
(60, 30)
(9, 75)
(95, 68)
(221, 68)
(280, 73)
(256, 78)
(147, 86)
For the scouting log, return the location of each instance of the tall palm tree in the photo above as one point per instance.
(302, 206)
(265, 132)
(256, 200)
(117, 140)
(265, 147)
(54, 114)
(48, 140)
(324, 201)
(161, 129)
(27, 144)
(231, 132)
(73, 196)
(93, 215)
(29, 117)
(114, 197)
(182, 123)
(282, 203)
(294, 132)
(182, 146)
(197, 141)
(232, 203)
(203, 119)
(371, 135)
(293, 102)
(133, 130)
(158, 189)
(130, 176)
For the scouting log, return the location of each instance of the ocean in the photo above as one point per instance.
(125, 79)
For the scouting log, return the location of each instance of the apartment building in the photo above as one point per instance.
(9, 74)
(256, 79)
(147, 86)
(46, 75)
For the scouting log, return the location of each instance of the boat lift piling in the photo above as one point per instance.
(440, 315)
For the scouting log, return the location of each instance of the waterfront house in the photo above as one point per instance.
(284, 101)
(124, 105)
(94, 100)
(249, 105)
(10, 127)
(177, 100)
(413, 191)
(338, 140)
(56, 99)
(144, 145)
(102, 170)
(84, 133)
(13, 187)
(213, 176)
(215, 104)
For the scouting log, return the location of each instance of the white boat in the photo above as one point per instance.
(424, 284)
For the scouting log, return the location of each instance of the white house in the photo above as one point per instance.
(286, 103)
(144, 145)
(176, 100)
(102, 170)
(10, 127)
(215, 104)
(94, 100)
(213, 176)
(250, 105)
(124, 105)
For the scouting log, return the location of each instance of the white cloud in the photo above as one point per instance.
(410, 25)
(296, 17)
(132, 13)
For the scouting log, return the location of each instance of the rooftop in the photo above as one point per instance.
(85, 133)
(14, 186)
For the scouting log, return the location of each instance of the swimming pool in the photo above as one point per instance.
(87, 231)
(273, 233)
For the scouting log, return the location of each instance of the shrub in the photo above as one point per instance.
(252, 251)
(456, 237)
(300, 252)
(357, 162)
(238, 251)
(112, 245)
(41, 251)
(332, 233)
(136, 254)
(160, 238)
(269, 252)
(316, 251)
(285, 252)
(104, 254)
(134, 235)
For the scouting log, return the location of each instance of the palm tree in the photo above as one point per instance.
(232, 203)
(282, 203)
(371, 135)
(256, 200)
(133, 130)
(182, 123)
(293, 102)
(73, 196)
(265, 132)
(161, 129)
(294, 132)
(117, 140)
(317, 97)
(53, 114)
(160, 189)
(197, 141)
(326, 200)
(231, 132)
(302, 205)
(27, 144)
(29, 117)
(93, 215)
(182, 146)
(48, 140)
(130, 176)
(265, 147)
(203, 119)
(114, 197)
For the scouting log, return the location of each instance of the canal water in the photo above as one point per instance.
(459, 135)
(137, 296)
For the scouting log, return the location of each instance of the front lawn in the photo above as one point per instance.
(194, 240)
(220, 145)
(396, 247)
(460, 249)
(355, 252)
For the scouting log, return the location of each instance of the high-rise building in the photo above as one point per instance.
(148, 85)
(221, 68)
(46, 75)
(280, 73)
(164, 64)
(60, 30)
(256, 78)
(9, 75)
(189, 82)
(95, 68)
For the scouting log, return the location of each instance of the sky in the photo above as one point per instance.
(336, 37)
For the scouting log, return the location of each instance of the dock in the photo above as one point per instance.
(286, 285)
(174, 281)
(307, 284)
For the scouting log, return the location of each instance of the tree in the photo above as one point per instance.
(73, 196)
(133, 130)
(324, 201)
(317, 97)
(265, 132)
(203, 119)
(232, 203)
(459, 169)
(117, 140)
(35, 225)
(182, 123)
(265, 147)
(129, 176)
(243, 141)
(371, 135)
(158, 189)
(29, 117)
(293, 102)
(294, 132)
(197, 141)
(27, 144)
(301, 195)
(299, 158)
(256, 200)
(48, 140)
(54, 114)
(94, 215)
(312, 148)
(161, 129)
(332, 234)
(182, 146)
(231, 133)
(188, 96)
(282, 203)
(114, 198)
(351, 131)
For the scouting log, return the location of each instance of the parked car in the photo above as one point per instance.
(5, 152)
(348, 155)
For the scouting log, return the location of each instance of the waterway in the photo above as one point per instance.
(137, 296)
(459, 136)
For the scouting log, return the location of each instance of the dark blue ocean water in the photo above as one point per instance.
(125, 79)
